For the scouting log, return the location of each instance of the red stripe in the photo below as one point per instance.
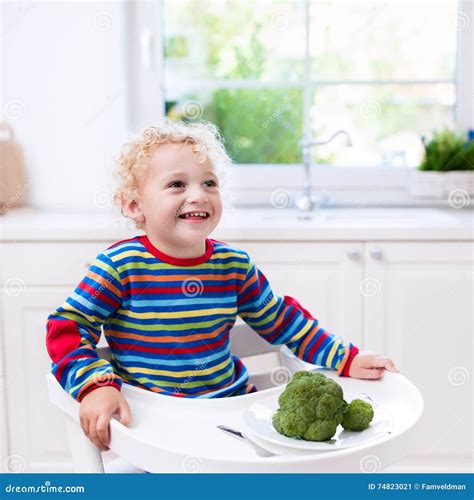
(281, 327)
(256, 291)
(289, 301)
(180, 290)
(315, 347)
(177, 261)
(352, 355)
(247, 298)
(95, 293)
(92, 387)
(167, 350)
(262, 281)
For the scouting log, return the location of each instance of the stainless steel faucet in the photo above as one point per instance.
(307, 202)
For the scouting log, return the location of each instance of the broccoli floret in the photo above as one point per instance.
(358, 416)
(311, 407)
(320, 430)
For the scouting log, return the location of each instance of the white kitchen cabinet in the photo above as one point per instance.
(37, 440)
(323, 277)
(48, 263)
(419, 310)
(3, 422)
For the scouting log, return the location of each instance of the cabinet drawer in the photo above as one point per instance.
(47, 263)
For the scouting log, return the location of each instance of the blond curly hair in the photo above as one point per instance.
(133, 159)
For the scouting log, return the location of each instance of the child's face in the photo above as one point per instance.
(179, 180)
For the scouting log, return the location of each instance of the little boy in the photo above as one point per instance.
(166, 300)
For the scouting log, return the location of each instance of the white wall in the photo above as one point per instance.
(65, 93)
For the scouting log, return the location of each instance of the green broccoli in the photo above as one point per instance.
(358, 416)
(311, 407)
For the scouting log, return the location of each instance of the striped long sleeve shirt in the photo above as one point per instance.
(167, 322)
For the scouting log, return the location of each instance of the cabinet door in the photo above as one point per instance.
(324, 278)
(37, 432)
(48, 263)
(419, 310)
(3, 423)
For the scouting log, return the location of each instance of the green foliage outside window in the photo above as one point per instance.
(258, 125)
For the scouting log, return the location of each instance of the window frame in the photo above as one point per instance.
(251, 183)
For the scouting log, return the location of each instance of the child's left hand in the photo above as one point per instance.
(371, 366)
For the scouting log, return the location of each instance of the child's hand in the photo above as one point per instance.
(371, 366)
(95, 412)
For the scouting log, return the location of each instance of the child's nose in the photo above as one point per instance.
(196, 194)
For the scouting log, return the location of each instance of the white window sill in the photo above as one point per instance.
(282, 185)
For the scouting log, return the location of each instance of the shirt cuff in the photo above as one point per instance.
(116, 382)
(343, 370)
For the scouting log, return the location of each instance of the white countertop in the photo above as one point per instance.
(331, 224)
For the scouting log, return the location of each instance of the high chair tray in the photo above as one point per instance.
(169, 434)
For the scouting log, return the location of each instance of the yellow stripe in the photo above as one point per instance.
(221, 255)
(186, 373)
(105, 267)
(337, 343)
(138, 253)
(157, 327)
(95, 364)
(261, 312)
(179, 314)
(128, 253)
(132, 266)
(343, 360)
(72, 313)
(93, 375)
(198, 383)
(308, 325)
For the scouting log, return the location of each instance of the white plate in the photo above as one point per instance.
(258, 419)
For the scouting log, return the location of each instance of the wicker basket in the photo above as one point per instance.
(13, 183)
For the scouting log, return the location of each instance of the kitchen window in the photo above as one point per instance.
(268, 72)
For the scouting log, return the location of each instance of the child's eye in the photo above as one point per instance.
(176, 184)
(210, 183)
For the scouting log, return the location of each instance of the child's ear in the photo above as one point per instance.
(131, 208)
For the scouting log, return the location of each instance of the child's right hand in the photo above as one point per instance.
(95, 412)
(369, 365)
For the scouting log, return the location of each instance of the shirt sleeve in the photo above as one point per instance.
(74, 329)
(282, 320)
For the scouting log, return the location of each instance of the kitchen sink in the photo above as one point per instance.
(391, 216)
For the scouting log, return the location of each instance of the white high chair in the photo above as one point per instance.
(169, 434)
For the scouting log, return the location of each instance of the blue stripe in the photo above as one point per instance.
(180, 364)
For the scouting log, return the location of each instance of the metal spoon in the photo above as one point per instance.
(364, 395)
(259, 450)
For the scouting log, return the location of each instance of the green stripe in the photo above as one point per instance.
(78, 318)
(130, 266)
(189, 385)
(169, 328)
(264, 321)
